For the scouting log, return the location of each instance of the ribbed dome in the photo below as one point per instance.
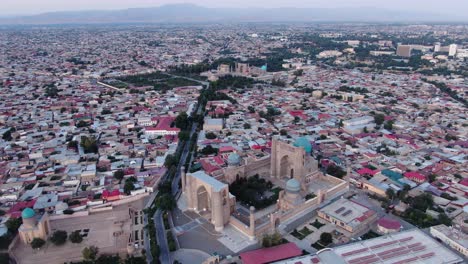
(28, 213)
(234, 159)
(303, 143)
(293, 186)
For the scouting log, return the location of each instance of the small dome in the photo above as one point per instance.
(303, 143)
(234, 159)
(28, 213)
(293, 186)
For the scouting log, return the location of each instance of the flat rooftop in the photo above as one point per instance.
(454, 234)
(412, 246)
(348, 212)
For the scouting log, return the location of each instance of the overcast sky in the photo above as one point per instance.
(13, 7)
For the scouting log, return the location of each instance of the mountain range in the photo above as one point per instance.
(190, 13)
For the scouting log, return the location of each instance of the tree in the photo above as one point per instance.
(379, 119)
(390, 193)
(326, 238)
(388, 125)
(181, 121)
(90, 253)
(444, 219)
(119, 174)
(37, 243)
(89, 144)
(7, 135)
(247, 126)
(266, 241)
(170, 161)
(208, 150)
(13, 224)
(335, 171)
(75, 237)
(432, 177)
(210, 135)
(166, 202)
(422, 201)
(59, 237)
(128, 187)
(184, 135)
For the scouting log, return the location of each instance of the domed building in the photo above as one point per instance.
(234, 159)
(293, 186)
(34, 226)
(291, 197)
(304, 143)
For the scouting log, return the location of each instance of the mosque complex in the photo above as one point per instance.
(290, 168)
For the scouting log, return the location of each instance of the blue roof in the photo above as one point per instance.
(304, 143)
(234, 159)
(293, 185)
(392, 174)
(28, 213)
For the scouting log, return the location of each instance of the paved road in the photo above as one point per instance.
(158, 221)
(165, 256)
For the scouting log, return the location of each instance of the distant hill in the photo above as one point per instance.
(189, 13)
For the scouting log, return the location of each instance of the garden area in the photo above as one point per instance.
(159, 81)
(255, 191)
(301, 234)
(325, 240)
(317, 224)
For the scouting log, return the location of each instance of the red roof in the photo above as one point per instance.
(17, 208)
(367, 171)
(415, 176)
(389, 223)
(267, 255)
(226, 149)
(107, 194)
(464, 182)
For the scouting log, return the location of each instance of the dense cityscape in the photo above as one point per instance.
(234, 143)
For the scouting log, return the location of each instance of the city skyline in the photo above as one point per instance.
(29, 7)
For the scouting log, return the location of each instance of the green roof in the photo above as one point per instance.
(28, 213)
(304, 143)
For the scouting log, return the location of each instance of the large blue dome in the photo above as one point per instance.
(293, 186)
(28, 213)
(234, 159)
(303, 143)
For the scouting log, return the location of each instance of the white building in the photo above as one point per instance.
(454, 238)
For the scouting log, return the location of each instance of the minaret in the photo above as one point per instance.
(252, 223)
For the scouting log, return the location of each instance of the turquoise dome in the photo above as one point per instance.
(303, 143)
(264, 68)
(234, 159)
(28, 213)
(293, 186)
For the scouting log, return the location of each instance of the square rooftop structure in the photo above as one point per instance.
(347, 214)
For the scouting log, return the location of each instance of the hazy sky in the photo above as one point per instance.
(12, 7)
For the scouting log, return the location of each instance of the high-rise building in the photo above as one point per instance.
(404, 50)
(437, 47)
(452, 49)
